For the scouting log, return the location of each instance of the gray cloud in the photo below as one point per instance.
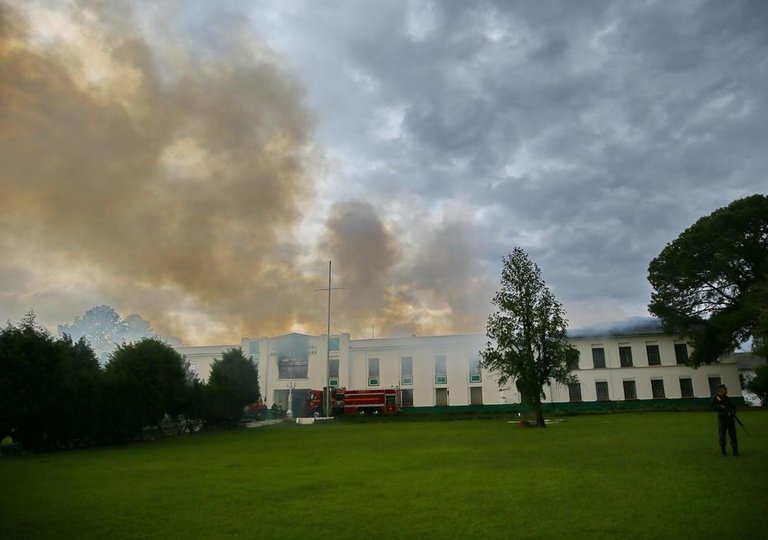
(589, 133)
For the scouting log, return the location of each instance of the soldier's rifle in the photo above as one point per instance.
(738, 420)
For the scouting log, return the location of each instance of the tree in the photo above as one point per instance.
(145, 380)
(758, 384)
(82, 378)
(711, 283)
(528, 342)
(48, 388)
(233, 384)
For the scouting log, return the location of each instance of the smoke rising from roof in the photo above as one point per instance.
(367, 254)
(630, 326)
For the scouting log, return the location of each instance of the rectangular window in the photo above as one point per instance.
(441, 397)
(681, 353)
(601, 389)
(333, 344)
(574, 391)
(476, 395)
(654, 357)
(406, 370)
(625, 356)
(475, 376)
(373, 372)
(714, 382)
(333, 372)
(253, 347)
(630, 392)
(407, 397)
(441, 369)
(657, 388)
(333, 367)
(686, 387)
(598, 357)
(293, 367)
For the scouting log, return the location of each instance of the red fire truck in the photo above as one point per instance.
(350, 402)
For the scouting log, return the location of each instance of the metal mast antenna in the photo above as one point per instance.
(327, 393)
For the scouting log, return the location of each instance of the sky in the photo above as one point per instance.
(199, 163)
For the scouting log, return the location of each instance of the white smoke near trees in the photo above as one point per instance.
(104, 330)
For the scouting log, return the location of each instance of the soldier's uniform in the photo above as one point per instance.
(726, 421)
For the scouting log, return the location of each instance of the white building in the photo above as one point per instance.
(438, 371)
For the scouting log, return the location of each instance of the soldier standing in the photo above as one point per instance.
(726, 421)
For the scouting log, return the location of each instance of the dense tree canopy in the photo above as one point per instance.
(528, 343)
(49, 388)
(147, 380)
(55, 394)
(233, 384)
(711, 283)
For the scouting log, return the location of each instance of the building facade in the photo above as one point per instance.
(445, 371)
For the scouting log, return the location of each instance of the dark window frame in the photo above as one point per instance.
(333, 368)
(632, 386)
(574, 392)
(625, 356)
(599, 386)
(653, 353)
(406, 362)
(293, 368)
(441, 368)
(684, 391)
(714, 381)
(598, 359)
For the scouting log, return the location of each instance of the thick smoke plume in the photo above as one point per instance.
(160, 184)
(438, 290)
(367, 254)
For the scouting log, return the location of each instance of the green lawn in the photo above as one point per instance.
(653, 475)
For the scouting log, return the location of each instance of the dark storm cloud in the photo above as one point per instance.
(592, 132)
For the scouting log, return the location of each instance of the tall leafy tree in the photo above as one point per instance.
(49, 388)
(711, 283)
(233, 384)
(145, 380)
(527, 334)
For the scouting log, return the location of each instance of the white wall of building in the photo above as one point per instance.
(300, 361)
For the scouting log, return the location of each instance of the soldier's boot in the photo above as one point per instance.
(735, 449)
(722, 450)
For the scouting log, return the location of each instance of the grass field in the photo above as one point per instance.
(653, 475)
